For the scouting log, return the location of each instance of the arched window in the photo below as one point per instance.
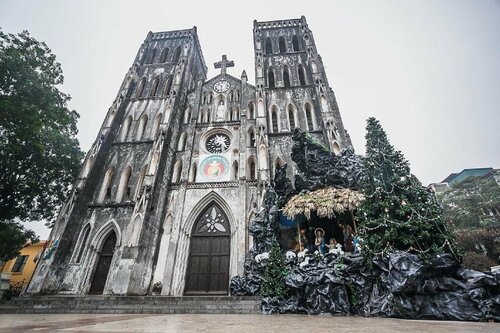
(270, 78)
(269, 46)
(260, 108)
(324, 103)
(309, 117)
(83, 242)
(141, 128)
(336, 148)
(235, 170)
(286, 77)
(231, 96)
(282, 45)
(140, 181)
(177, 54)
(251, 111)
(156, 126)
(251, 169)
(176, 175)
(126, 128)
(302, 77)
(140, 88)
(208, 116)
(105, 192)
(153, 55)
(164, 55)
(251, 137)
(314, 68)
(295, 43)
(124, 191)
(274, 119)
(187, 115)
(278, 163)
(236, 113)
(168, 86)
(192, 176)
(181, 144)
(291, 117)
(230, 114)
(237, 95)
(154, 87)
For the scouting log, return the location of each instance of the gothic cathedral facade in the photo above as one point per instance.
(167, 192)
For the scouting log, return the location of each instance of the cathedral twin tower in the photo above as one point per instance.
(169, 188)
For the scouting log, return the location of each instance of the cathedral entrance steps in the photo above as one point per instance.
(133, 304)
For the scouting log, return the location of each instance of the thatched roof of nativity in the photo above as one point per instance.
(325, 202)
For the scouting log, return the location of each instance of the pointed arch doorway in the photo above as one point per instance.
(208, 263)
(103, 264)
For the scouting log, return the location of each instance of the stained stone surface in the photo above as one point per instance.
(229, 323)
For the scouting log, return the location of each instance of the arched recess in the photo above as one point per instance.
(282, 44)
(140, 181)
(324, 104)
(309, 116)
(168, 86)
(292, 117)
(177, 172)
(124, 191)
(236, 113)
(263, 156)
(82, 243)
(141, 128)
(251, 137)
(251, 111)
(110, 118)
(252, 172)
(140, 88)
(260, 107)
(181, 144)
(230, 114)
(259, 71)
(270, 78)
(295, 43)
(164, 55)
(278, 162)
(153, 56)
(154, 87)
(163, 253)
(126, 128)
(177, 54)
(156, 126)
(88, 166)
(235, 170)
(103, 262)
(209, 254)
(187, 115)
(314, 67)
(269, 46)
(105, 192)
(302, 76)
(274, 117)
(336, 148)
(286, 76)
(192, 174)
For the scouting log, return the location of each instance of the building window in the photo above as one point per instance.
(235, 170)
(310, 123)
(286, 77)
(251, 169)
(168, 86)
(140, 89)
(270, 78)
(295, 43)
(302, 77)
(251, 137)
(153, 55)
(123, 193)
(177, 54)
(251, 111)
(154, 87)
(282, 45)
(164, 55)
(291, 118)
(274, 119)
(269, 46)
(19, 264)
(105, 193)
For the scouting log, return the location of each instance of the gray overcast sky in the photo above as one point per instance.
(428, 70)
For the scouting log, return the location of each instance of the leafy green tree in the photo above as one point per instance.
(275, 274)
(472, 203)
(39, 153)
(398, 213)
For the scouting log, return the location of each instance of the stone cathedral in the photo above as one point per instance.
(166, 194)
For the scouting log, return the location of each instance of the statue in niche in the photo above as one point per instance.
(221, 111)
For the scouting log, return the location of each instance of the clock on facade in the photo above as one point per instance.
(217, 143)
(221, 86)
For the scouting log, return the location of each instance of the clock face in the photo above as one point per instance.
(218, 143)
(221, 86)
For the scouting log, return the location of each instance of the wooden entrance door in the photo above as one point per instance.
(103, 264)
(208, 262)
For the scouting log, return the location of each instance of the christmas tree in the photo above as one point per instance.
(275, 273)
(398, 213)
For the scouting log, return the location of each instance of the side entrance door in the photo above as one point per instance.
(103, 264)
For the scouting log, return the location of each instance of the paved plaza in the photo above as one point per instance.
(228, 323)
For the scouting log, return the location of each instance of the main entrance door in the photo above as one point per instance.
(103, 264)
(208, 263)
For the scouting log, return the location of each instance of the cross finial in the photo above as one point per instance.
(223, 64)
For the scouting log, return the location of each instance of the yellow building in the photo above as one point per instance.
(22, 267)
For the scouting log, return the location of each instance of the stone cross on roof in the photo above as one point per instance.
(223, 64)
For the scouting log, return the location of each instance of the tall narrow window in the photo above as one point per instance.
(164, 55)
(274, 119)
(140, 88)
(309, 118)
(286, 77)
(282, 45)
(168, 86)
(19, 264)
(192, 177)
(156, 126)
(187, 115)
(140, 180)
(251, 111)
(126, 128)
(153, 55)
(83, 243)
(251, 169)
(177, 54)
(251, 137)
(302, 77)
(154, 87)
(105, 192)
(231, 114)
(269, 46)
(181, 144)
(295, 43)
(141, 128)
(123, 192)
(235, 170)
(270, 78)
(291, 117)
(176, 175)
